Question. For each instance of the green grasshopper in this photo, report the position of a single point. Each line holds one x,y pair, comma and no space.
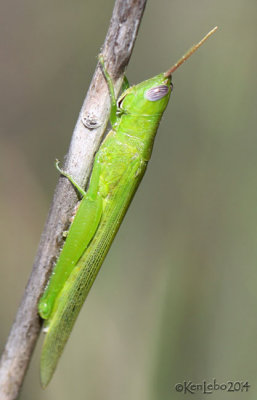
118,168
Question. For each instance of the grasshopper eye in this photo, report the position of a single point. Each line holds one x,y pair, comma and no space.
156,93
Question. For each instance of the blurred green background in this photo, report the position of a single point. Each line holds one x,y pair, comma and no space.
176,298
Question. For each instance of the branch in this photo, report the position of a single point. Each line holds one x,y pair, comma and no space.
86,139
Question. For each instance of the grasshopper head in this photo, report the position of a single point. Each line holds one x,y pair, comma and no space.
151,97
148,97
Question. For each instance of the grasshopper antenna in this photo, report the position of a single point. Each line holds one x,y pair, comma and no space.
189,53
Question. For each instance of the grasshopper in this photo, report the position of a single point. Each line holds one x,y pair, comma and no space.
118,168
